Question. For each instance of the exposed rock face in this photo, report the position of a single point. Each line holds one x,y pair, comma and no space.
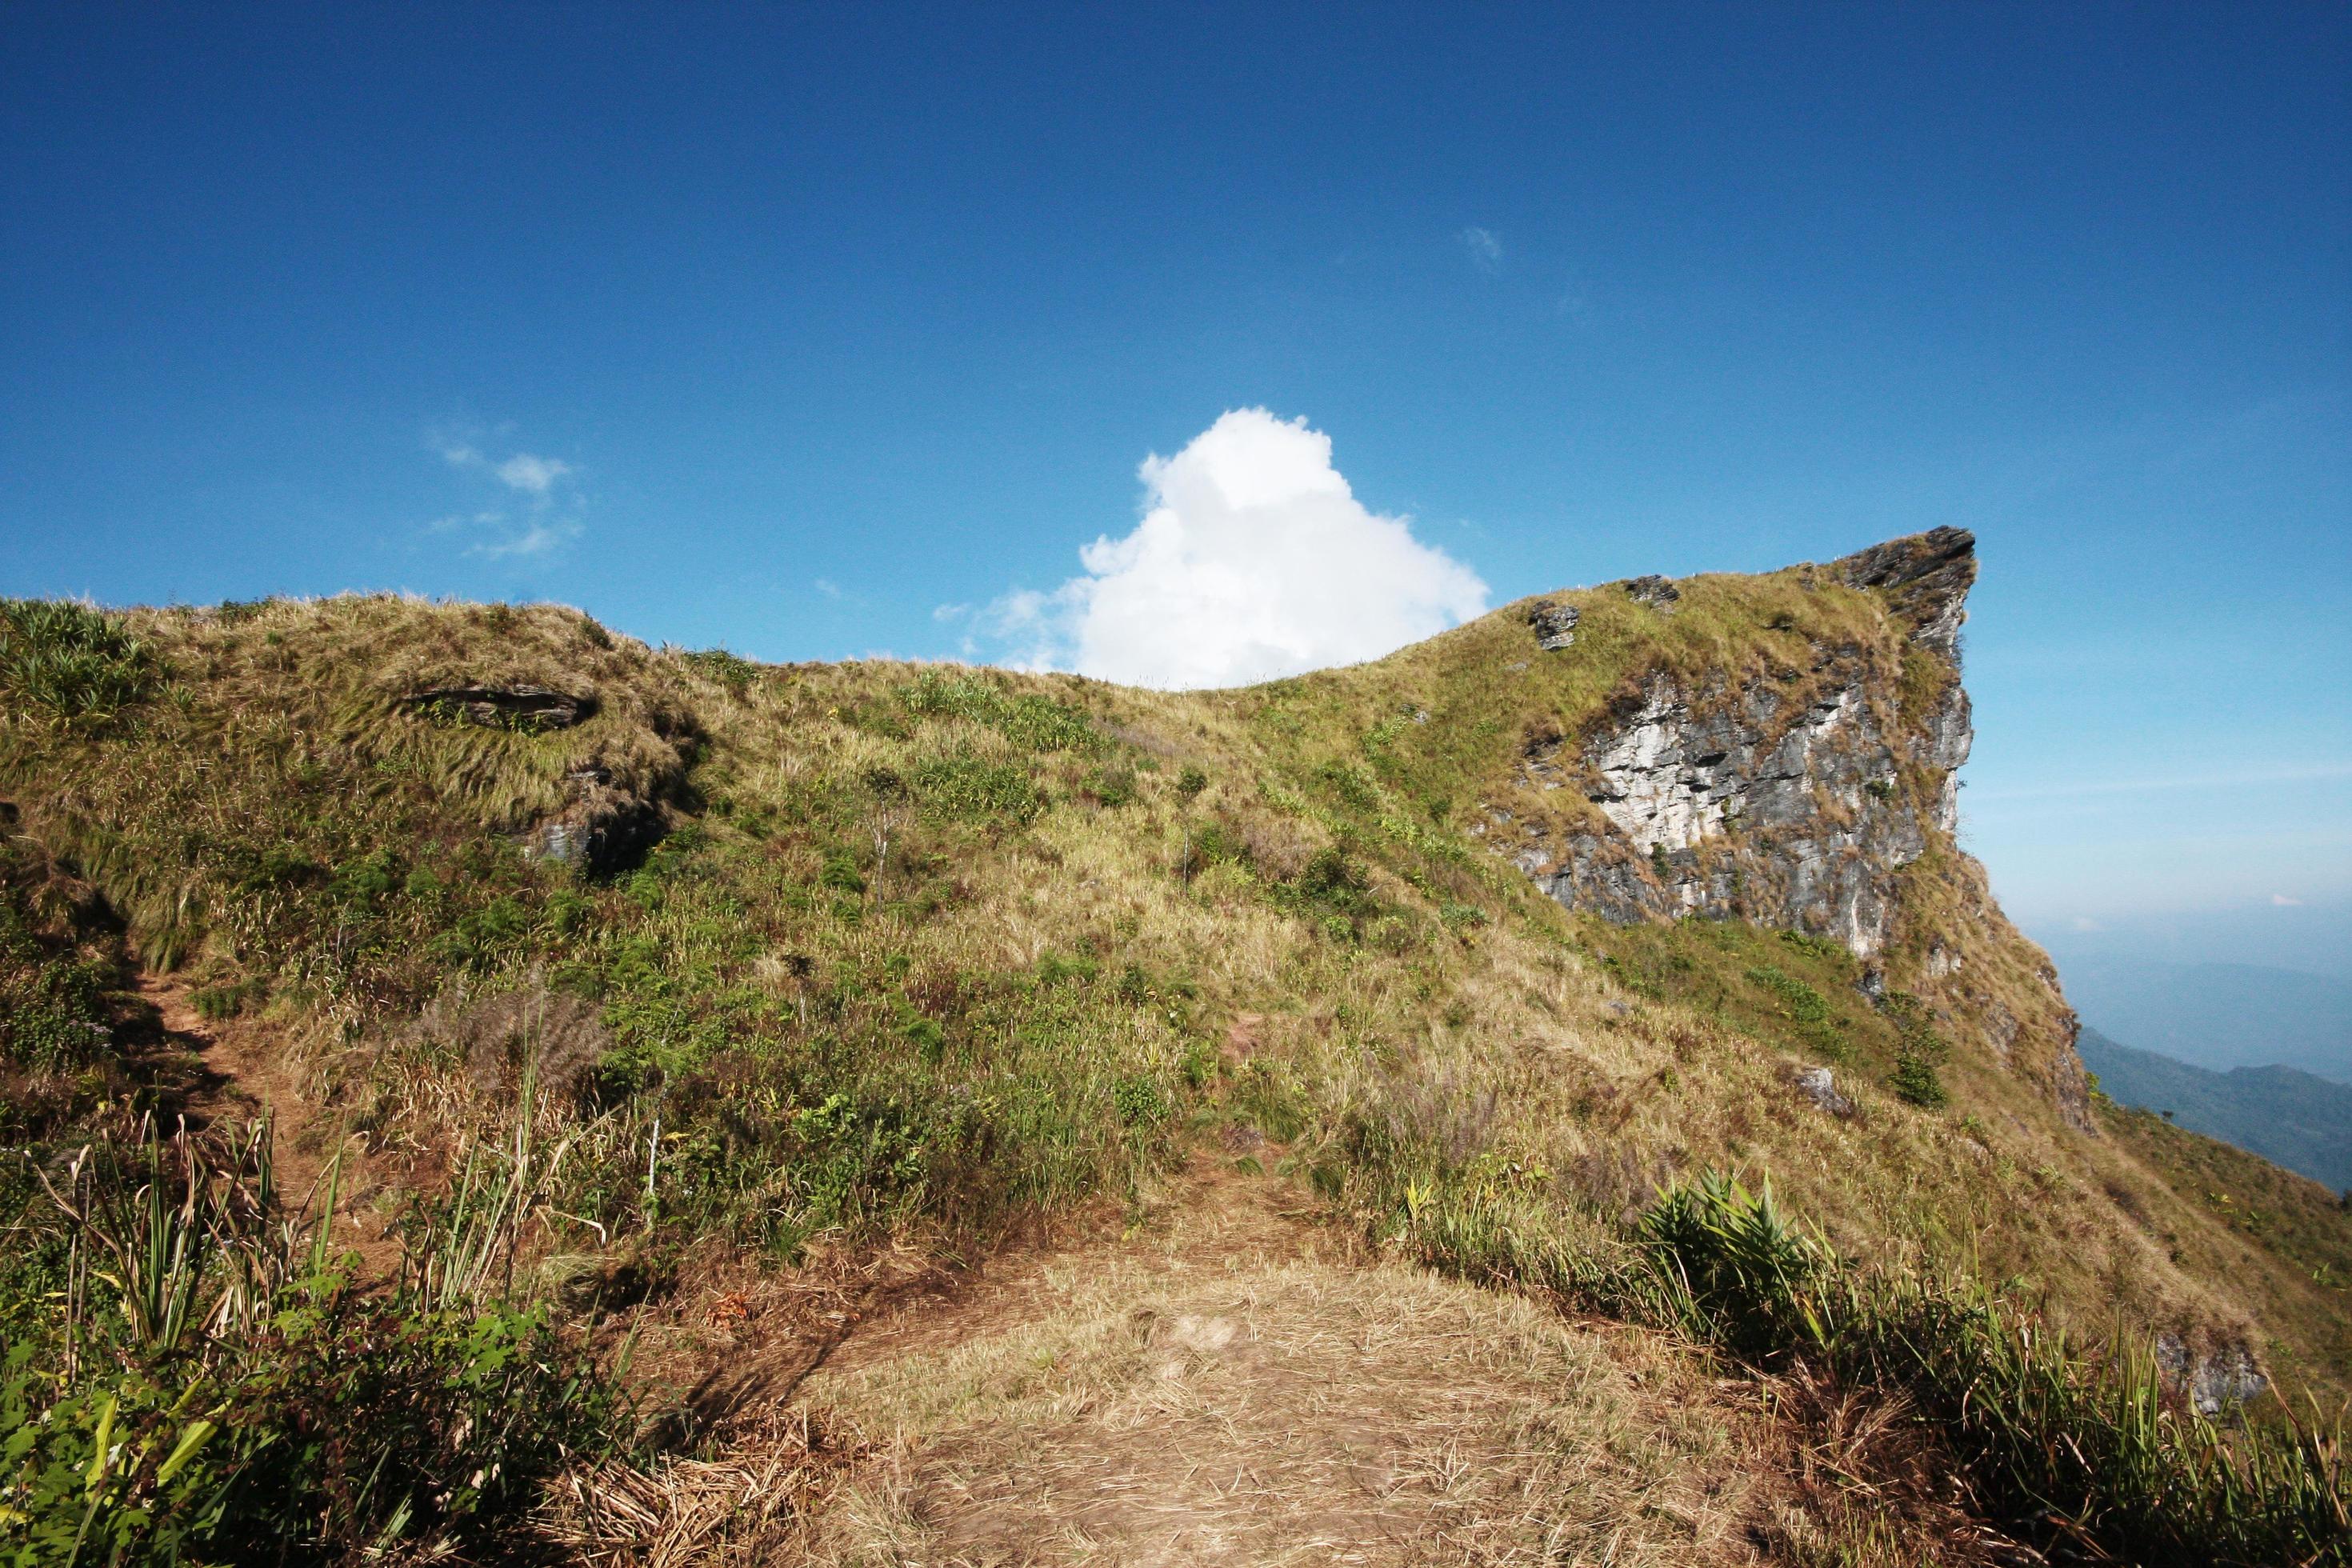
1555,625
1654,591
1820,1086
1925,577
1788,800
530,708
2216,1380
602,830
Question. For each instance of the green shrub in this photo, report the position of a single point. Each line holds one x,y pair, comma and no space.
1056,970
1354,787
1807,1010
70,661
1919,1051
231,1397
1826,950
967,789
1915,1081
841,872
53,1014
729,670
1138,1102
1037,722
1112,784
928,1038
1742,1272
1335,881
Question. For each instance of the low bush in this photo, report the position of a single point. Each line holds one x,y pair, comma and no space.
209,1384
729,670
1919,1051
1808,1013
1036,723
968,789
69,662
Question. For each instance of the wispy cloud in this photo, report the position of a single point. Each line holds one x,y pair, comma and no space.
828,587
1485,248
2285,901
545,489
532,475
536,539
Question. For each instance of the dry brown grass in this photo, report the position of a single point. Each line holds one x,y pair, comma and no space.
1224,1380
1229,1384
751,1506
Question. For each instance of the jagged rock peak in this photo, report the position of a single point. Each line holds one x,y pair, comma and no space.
1926,578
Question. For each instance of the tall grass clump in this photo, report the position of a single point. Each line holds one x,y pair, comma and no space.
1029,720
209,1384
2088,1446
69,662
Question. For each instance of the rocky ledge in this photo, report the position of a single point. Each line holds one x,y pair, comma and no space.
1790,800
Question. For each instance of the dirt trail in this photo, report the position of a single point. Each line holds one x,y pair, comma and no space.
1224,1381
245,1075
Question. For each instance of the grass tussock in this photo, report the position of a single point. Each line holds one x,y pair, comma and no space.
2058,1441
69,664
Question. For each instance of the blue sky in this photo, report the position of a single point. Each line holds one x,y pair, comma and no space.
811,325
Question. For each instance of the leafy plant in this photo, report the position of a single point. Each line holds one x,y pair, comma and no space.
71,661
1918,1052
731,670
210,1385
1027,720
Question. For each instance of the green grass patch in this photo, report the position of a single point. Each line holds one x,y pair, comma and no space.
70,662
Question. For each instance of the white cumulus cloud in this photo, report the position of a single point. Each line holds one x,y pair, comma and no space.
1254,560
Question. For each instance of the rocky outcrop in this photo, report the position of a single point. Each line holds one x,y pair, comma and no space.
1789,798
602,829
1820,1086
1656,592
2216,1379
1926,578
1554,625
526,707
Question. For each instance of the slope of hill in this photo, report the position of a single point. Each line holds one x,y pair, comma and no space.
2287,1116
596,975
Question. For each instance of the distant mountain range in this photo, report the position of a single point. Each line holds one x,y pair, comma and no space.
2219,1015
2289,1117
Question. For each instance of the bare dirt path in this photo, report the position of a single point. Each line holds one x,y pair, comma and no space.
1225,1381
247,1075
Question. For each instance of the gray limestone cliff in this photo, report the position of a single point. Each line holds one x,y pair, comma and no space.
1787,798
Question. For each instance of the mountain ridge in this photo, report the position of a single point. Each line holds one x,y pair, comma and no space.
817,966
2295,1119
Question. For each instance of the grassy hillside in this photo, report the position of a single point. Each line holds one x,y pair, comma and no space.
881,953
